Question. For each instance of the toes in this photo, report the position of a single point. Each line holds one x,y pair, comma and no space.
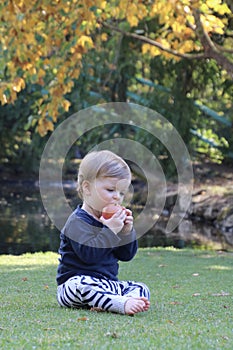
135,305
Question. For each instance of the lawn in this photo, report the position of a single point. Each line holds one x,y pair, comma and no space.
191,305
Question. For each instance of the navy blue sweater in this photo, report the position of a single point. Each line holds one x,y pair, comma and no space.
90,248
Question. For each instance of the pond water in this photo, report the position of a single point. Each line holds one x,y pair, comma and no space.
25,226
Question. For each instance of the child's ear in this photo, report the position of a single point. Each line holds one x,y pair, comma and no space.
86,187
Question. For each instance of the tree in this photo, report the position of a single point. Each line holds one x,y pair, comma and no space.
43,43
186,28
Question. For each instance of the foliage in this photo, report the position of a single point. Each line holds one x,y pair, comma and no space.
58,63
169,87
191,305
21,147
44,43
210,144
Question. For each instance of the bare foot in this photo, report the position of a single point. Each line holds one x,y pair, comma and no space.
135,305
147,303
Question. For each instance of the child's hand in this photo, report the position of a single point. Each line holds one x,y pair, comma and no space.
128,223
117,222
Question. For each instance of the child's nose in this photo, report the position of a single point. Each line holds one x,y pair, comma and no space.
116,195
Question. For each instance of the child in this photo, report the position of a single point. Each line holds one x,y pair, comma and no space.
91,246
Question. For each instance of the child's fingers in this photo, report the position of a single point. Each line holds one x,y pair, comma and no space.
129,219
128,212
120,214
128,222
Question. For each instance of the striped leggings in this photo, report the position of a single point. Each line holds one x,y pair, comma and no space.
87,291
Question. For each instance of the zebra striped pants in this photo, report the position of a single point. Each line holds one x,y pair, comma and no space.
87,291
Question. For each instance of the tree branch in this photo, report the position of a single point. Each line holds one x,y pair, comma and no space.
223,49
153,42
210,49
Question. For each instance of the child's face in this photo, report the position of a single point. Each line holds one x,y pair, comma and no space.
106,190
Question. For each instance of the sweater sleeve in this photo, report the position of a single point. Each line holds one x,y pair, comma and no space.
93,236
127,247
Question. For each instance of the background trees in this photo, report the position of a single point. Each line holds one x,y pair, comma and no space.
58,57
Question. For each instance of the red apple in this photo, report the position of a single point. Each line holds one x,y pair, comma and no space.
110,210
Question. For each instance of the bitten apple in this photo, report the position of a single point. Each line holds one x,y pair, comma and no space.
110,210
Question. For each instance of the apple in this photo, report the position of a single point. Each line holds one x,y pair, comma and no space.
110,210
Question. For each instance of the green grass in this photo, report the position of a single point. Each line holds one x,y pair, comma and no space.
191,305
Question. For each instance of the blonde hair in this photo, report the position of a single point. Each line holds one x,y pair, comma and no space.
101,164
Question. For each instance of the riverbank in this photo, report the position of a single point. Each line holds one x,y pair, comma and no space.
208,223
212,201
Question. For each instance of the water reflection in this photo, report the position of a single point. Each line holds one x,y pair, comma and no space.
25,226
188,234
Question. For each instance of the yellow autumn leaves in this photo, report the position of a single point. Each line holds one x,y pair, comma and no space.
43,42
178,25
131,10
